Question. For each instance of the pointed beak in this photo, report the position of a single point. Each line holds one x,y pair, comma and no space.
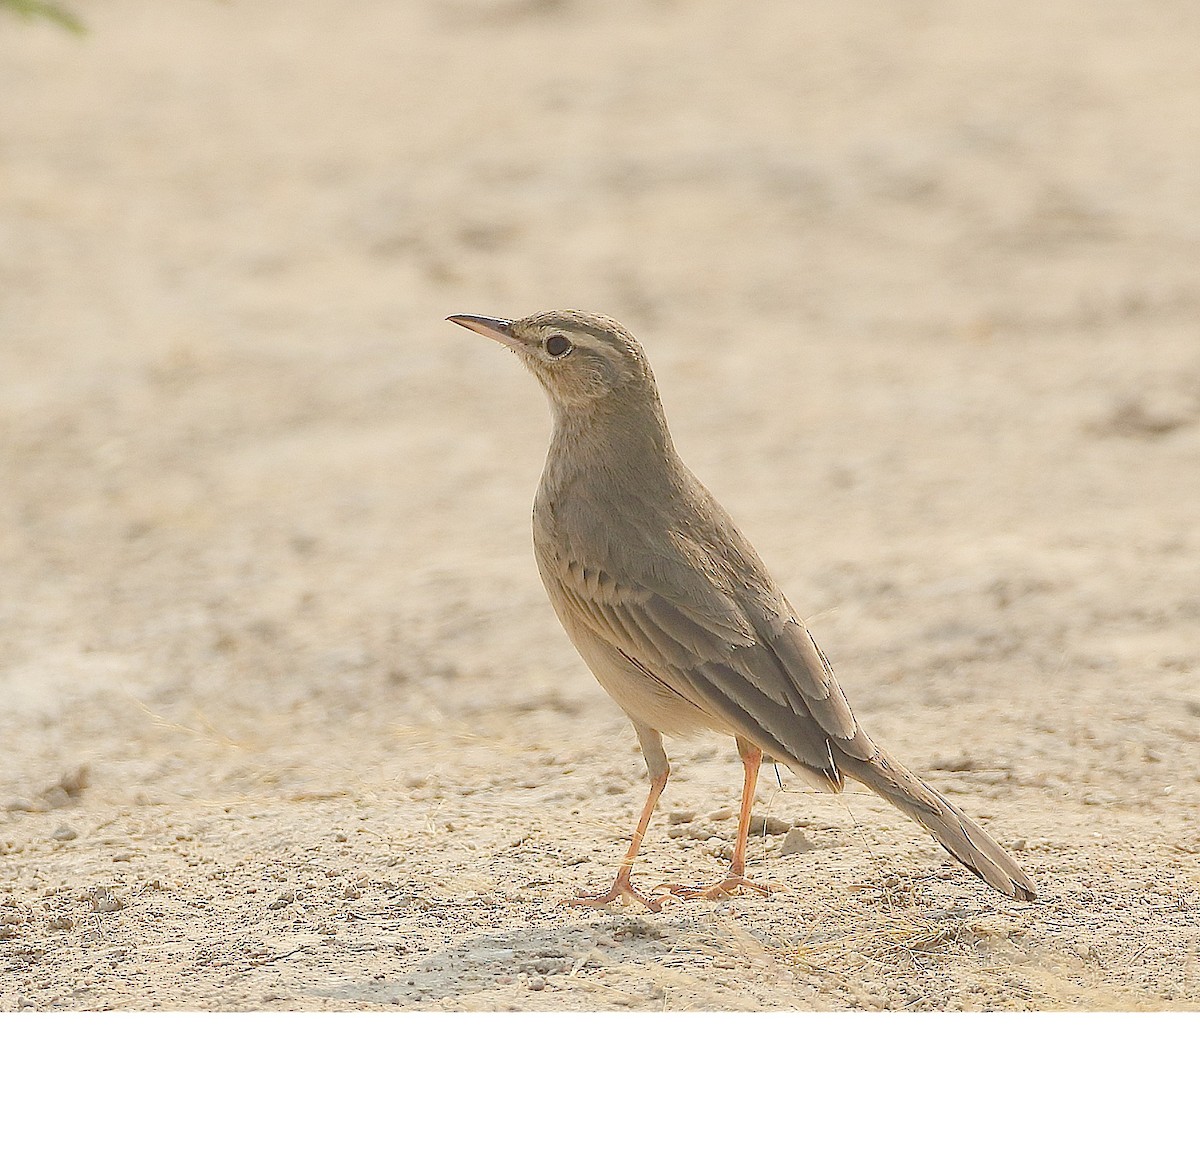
500,330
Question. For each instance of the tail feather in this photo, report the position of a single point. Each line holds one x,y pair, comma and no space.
956,832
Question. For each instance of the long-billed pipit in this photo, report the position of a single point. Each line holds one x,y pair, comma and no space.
674,612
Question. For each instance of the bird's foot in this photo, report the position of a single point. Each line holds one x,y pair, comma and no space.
727,887
623,890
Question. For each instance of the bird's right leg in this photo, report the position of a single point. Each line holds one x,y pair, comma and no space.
736,880
622,886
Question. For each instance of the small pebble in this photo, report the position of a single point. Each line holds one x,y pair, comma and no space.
537,983
122,856
674,817
795,842
282,900
61,923
65,833
769,824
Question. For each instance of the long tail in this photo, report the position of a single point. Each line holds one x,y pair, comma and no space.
957,833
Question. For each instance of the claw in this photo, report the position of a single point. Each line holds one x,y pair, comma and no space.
726,888
623,890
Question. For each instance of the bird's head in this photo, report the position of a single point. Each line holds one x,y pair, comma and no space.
583,361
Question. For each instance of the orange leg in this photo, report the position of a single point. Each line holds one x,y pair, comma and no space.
622,886
736,879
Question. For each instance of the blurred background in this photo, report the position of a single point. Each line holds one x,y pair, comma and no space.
905,271
920,282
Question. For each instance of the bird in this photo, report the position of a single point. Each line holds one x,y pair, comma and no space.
676,615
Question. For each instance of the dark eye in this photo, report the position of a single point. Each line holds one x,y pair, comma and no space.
558,346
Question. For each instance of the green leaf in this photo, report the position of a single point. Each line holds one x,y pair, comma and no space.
40,9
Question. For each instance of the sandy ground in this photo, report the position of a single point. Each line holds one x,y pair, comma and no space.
285,719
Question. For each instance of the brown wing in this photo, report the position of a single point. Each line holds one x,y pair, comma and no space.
762,677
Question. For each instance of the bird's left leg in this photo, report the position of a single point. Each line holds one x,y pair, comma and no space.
736,879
